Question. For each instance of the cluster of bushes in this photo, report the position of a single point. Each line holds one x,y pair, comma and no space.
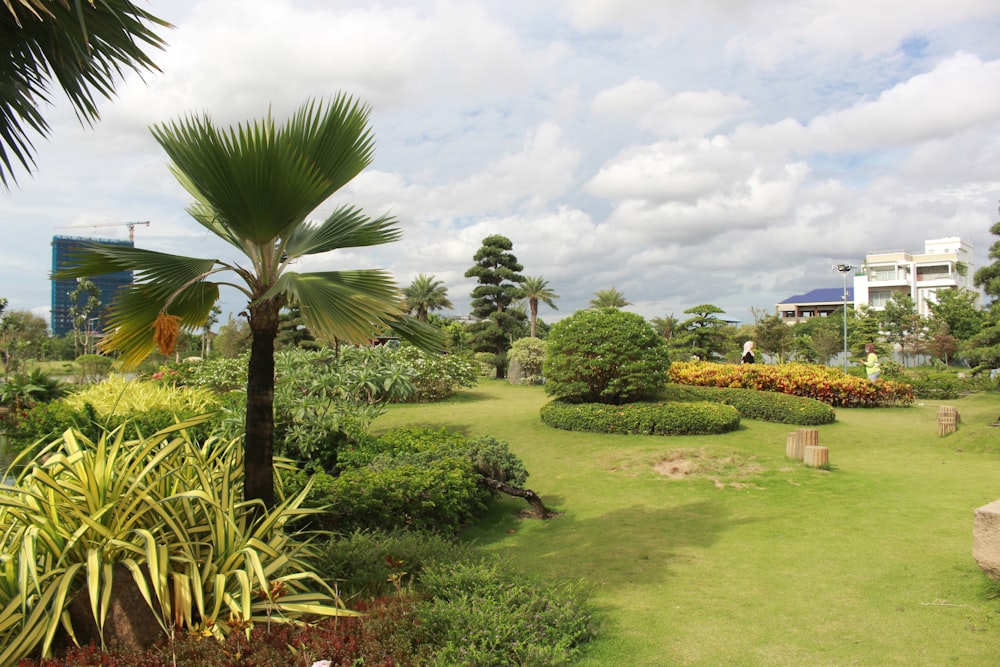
412,478
766,406
659,418
825,384
361,374
477,609
145,407
426,601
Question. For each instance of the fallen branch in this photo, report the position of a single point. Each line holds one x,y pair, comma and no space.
538,509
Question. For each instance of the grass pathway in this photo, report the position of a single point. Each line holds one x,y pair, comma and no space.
756,560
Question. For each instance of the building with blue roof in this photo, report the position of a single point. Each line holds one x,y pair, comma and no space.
944,264
820,302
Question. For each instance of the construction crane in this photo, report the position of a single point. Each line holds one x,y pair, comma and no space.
131,227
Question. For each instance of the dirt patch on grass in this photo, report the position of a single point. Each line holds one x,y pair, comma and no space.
731,469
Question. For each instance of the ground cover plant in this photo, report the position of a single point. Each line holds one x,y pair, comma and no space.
823,383
690,540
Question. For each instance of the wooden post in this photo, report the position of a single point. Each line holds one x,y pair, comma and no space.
947,419
809,437
793,446
815,456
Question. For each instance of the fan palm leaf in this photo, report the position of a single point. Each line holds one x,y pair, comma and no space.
84,46
254,186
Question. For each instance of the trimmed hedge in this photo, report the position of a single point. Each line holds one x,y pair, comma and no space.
765,406
661,418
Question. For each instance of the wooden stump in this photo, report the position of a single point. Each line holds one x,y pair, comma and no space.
793,446
947,419
815,456
809,437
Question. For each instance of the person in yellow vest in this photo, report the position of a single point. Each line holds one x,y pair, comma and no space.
872,366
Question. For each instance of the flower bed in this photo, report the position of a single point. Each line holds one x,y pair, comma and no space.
829,385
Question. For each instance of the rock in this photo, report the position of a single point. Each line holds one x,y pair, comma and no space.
130,623
986,538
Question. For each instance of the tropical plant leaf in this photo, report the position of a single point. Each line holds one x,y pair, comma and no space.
346,227
342,305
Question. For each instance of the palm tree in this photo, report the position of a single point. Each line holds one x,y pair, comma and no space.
665,325
533,290
84,46
609,298
425,294
254,186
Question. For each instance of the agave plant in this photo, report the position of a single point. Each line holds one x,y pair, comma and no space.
167,508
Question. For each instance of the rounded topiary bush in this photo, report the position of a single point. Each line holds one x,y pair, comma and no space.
768,406
604,356
665,418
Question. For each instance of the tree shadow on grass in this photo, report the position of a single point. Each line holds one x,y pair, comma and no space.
627,546
451,427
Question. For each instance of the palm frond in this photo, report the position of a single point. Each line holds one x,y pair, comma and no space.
260,182
83,46
172,271
421,334
349,306
346,227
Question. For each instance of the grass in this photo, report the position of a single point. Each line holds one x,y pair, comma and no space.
752,559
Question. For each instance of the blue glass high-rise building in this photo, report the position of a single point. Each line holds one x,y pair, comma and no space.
109,284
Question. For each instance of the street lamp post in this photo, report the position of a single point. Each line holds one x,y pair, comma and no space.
844,270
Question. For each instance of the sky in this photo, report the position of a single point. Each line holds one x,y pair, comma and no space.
728,152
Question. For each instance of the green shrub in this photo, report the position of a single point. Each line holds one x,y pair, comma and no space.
766,406
46,421
670,418
939,387
218,375
530,354
415,492
604,356
93,367
118,395
488,614
435,376
364,561
486,363
414,478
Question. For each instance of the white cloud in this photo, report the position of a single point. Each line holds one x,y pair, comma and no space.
716,151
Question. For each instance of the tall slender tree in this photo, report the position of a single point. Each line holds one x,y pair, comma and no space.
83,46
425,294
536,289
499,276
254,186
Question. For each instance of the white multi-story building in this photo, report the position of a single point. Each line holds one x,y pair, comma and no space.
944,264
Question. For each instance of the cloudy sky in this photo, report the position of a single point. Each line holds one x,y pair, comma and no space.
683,152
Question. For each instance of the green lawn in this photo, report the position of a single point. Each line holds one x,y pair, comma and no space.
756,560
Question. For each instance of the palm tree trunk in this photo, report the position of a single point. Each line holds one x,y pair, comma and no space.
534,315
258,456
